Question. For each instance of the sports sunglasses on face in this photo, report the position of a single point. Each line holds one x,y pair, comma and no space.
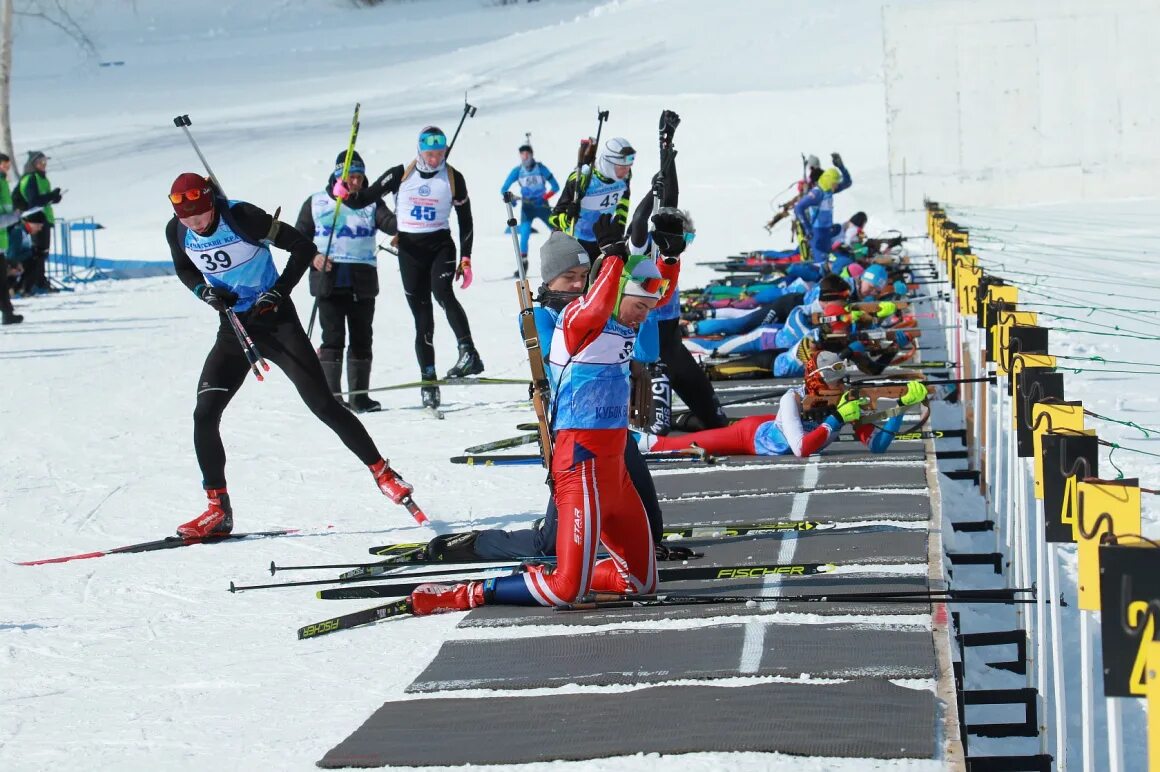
189,195
433,142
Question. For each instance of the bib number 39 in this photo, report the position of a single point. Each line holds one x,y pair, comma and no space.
423,213
218,261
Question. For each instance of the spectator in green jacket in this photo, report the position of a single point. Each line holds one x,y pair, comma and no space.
8,217
35,192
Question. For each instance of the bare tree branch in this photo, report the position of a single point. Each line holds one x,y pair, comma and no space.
58,16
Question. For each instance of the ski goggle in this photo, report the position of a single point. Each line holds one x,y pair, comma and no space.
433,142
654,285
626,160
189,195
688,237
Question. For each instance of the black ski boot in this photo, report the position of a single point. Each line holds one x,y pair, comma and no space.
358,375
331,362
469,362
11,318
430,394
524,260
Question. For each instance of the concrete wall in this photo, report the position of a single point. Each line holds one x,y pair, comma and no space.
1021,101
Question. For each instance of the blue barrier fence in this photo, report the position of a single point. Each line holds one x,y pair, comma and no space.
74,257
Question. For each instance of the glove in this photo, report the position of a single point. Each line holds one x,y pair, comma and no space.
463,271
837,159
857,315
608,231
218,298
886,308
340,190
915,393
849,407
508,197
54,195
267,302
665,552
900,288
901,339
548,196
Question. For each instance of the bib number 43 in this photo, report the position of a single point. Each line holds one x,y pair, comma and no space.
426,213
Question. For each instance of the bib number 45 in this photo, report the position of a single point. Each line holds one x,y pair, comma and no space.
426,213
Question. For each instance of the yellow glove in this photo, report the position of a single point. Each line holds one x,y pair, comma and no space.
915,393
856,316
886,308
850,407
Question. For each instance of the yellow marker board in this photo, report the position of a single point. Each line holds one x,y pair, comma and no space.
1047,417
1105,506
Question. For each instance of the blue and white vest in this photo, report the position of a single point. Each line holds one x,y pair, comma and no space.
533,183
227,260
354,237
601,197
591,388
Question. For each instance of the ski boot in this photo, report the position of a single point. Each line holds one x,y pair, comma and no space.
331,362
430,394
393,487
524,260
358,376
441,598
11,318
216,520
469,362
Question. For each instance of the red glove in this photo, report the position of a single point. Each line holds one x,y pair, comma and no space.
463,271
548,195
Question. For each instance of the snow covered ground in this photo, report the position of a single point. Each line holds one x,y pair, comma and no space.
145,661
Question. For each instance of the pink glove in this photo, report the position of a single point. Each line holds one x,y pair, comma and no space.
463,271
340,190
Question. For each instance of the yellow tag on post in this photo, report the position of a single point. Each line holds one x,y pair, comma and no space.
1105,506
998,293
967,286
1046,417
1001,334
1152,692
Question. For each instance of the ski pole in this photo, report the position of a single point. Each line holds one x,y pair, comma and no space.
326,282
389,248
468,112
182,122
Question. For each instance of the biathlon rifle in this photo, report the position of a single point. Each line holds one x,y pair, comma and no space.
586,155
541,386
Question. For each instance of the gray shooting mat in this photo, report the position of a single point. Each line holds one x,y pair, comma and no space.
716,481
758,647
865,718
823,507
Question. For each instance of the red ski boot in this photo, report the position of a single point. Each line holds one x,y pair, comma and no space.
216,520
441,598
393,487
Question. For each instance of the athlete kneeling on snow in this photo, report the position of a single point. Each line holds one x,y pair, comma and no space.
425,191
346,281
598,504
221,252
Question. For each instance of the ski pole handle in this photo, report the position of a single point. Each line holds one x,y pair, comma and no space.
468,112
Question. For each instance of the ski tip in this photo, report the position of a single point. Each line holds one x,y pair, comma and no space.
273,568
233,588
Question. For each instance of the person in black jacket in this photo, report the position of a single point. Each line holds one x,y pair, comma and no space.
221,252
425,192
347,283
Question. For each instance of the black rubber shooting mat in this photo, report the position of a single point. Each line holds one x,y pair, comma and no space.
833,584
823,507
710,481
866,718
759,647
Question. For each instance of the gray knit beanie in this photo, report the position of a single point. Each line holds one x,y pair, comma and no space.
560,254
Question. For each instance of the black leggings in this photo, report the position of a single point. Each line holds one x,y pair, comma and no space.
428,273
686,376
283,342
339,310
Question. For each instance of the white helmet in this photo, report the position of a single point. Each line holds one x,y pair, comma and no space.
617,151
